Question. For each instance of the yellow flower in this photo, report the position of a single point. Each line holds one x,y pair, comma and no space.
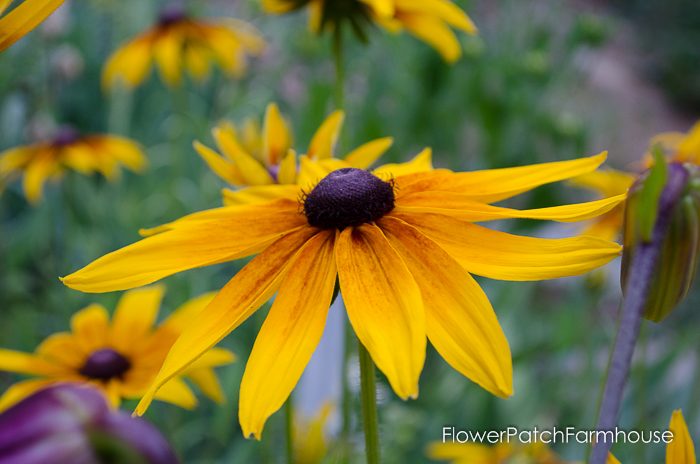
403,243
252,158
179,43
428,20
502,453
68,149
120,358
679,146
606,183
22,19
681,450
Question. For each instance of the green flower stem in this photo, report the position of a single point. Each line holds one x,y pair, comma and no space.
289,426
368,392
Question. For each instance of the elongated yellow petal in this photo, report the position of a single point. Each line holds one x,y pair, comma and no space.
381,7
36,175
421,163
277,6
135,316
498,184
277,138
605,182
503,256
366,155
241,297
434,32
250,169
167,52
184,314
463,207
222,167
384,305
14,158
287,172
460,321
323,143
25,363
234,232
612,459
311,172
213,358
176,392
289,335
130,64
198,62
90,326
441,9
260,194
208,382
21,20
681,450
20,390
62,348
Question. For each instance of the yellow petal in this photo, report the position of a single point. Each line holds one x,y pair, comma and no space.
464,207
503,256
176,392
14,159
381,7
441,9
198,62
128,152
689,146
250,169
260,194
25,363
208,382
311,172
62,348
681,450
186,313
241,297
21,20
135,316
498,184
277,6
167,52
213,358
422,162
130,64
366,155
289,335
460,321
222,167
611,459
323,143
434,32
90,326
287,172
20,390
36,175
277,138
384,305
607,182
235,232
227,48
462,453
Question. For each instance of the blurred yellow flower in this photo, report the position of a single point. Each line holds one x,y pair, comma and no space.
606,183
679,146
68,150
120,358
428,20
402,241
252,157
179,43
23,18
502,453
681,450
310,437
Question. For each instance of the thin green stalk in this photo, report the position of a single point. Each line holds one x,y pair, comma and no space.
289,425
347,394
368,393
338,58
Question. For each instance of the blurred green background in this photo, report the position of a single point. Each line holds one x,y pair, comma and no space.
545,80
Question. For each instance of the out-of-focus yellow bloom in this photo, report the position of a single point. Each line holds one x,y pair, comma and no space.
401,240
68,149
681,450
428,20
502,453
255,158
310,437
678,146
22,19
606,183
120,358
179,43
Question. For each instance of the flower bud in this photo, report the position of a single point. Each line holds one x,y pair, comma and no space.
74,424
674,231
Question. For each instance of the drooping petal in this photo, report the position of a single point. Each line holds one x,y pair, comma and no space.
277,138
460,321
25,17
241,297
130,64
167,52
289,335
434,32
366,155
135,316
381,7
499,255
384,305
208,382
323,142
90,326
36,175
442,9
187,244
681,450
176,392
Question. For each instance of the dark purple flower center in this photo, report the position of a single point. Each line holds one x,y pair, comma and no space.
171,15
348,197
105,364
66,135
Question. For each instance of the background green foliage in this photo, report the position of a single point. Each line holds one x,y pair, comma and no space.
515,98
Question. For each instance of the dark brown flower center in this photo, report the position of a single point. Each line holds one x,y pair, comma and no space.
66,135
171,15
105,364
348,197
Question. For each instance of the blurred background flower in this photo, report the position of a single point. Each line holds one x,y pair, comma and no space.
23,18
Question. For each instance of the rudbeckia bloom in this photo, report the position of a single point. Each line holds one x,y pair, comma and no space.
68,150
503,453
22,19
428,20
120,358
681,450
255,158
179,43
403,245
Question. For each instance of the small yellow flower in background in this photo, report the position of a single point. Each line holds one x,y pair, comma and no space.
311,437
254,158
68,149
120,358
403,243
23,18
428,20
179,43
606,183
680,147
502,453
681,450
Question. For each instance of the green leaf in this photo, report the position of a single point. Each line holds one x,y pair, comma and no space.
651,192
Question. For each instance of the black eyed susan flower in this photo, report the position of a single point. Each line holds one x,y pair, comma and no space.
256,158
502,453
403,243
428,20
23,18
68,149
179,43
120,358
